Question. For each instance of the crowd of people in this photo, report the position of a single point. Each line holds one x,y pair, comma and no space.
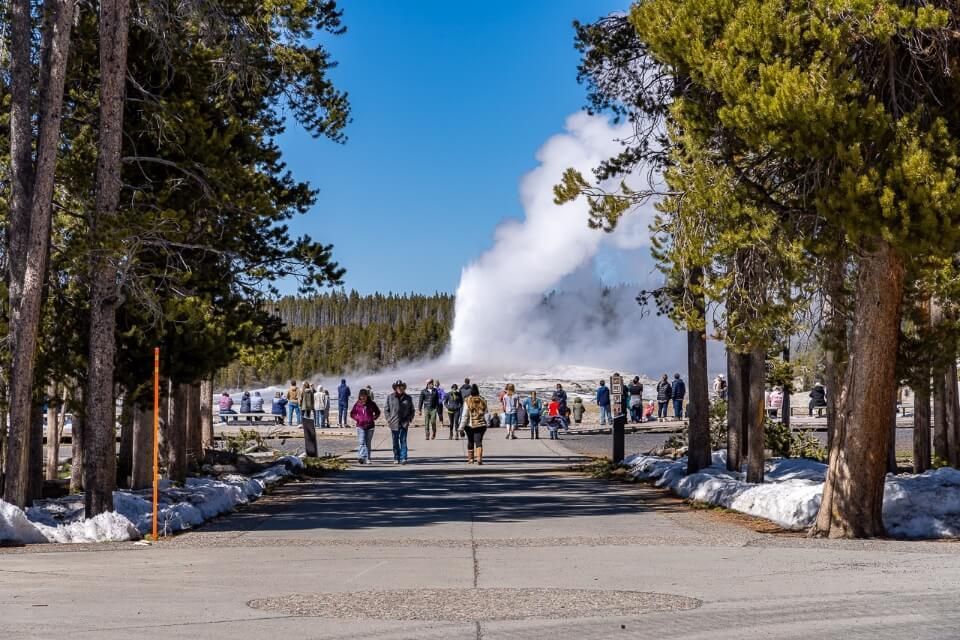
464,413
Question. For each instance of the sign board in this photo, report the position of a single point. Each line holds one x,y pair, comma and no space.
616,395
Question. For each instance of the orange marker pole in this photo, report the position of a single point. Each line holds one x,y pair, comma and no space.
156,437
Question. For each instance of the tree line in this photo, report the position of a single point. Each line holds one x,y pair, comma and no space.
144,203
335,333
803,158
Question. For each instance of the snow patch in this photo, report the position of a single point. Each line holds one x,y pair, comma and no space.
180,508
914,506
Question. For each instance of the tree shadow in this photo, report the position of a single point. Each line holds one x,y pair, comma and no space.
428,491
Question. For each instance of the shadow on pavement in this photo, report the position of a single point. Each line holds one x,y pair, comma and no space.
429,491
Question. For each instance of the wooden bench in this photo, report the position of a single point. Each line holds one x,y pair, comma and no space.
251,418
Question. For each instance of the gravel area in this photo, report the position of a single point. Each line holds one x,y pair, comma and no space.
475,605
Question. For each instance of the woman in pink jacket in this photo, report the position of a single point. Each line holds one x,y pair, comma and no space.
365,412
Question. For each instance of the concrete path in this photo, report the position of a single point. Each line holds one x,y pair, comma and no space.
518,548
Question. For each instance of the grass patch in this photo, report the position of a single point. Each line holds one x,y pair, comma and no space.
319,467
606,469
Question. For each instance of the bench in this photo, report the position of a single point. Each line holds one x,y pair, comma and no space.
250,418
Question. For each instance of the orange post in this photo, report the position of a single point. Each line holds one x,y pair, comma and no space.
156,437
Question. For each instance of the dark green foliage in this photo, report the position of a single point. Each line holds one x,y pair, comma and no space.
335,333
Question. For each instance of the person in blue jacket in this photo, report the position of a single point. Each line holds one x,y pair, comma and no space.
679,391
603,401
343,402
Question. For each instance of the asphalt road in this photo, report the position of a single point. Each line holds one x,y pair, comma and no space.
518,548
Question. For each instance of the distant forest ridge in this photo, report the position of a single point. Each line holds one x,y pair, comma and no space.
339,332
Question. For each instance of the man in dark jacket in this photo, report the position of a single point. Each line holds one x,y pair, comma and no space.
343,402
399,412
560,396
429,400
664,393
678,391
603,401
818,397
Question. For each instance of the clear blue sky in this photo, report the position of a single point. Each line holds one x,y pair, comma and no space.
450,102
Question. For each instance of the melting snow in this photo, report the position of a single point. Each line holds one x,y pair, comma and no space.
914,506
180,508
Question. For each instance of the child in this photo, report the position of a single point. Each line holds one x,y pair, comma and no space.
649,411
553,409
510,402
554,424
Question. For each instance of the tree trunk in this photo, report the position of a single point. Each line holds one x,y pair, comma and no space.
194,437
852,504
952,422
77,438
104,290
736,403
757,415
698,454
892,448
940,449
785,407
125,455
35,486
177,433
834,341
30,216
921,427
3,431
206,413
142,468
53,434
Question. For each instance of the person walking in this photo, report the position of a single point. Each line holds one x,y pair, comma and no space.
636,400
473,422
453,403
534,408
603,401
429,401
322,402
510,401
664,393
678,391
279,407
399,412
293,403
308,399
365,413
343,401
441,397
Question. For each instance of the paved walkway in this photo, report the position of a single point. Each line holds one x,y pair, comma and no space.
518,548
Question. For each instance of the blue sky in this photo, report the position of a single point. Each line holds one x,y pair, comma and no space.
450,102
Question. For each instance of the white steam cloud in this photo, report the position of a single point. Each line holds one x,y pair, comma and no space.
502,321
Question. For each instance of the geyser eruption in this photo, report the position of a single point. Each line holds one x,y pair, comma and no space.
504,316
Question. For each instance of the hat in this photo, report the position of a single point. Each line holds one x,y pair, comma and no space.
399,383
